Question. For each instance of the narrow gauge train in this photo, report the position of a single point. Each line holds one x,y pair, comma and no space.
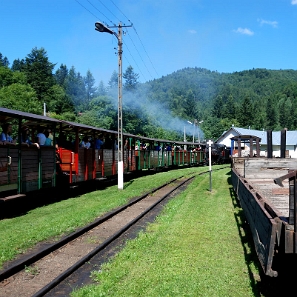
220,154
26,168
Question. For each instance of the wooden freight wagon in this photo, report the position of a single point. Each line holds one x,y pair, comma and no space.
266,189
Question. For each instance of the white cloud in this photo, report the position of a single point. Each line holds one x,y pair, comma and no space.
192,31
294,2
244,31
271,23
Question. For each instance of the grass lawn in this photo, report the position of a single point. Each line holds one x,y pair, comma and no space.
196,247
52,221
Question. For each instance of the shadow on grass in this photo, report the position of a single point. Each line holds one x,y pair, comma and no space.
263,285
246,240
128,184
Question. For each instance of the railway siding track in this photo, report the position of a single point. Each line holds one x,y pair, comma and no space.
41,271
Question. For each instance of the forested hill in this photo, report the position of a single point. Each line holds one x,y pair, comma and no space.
207,84
161,108
257,98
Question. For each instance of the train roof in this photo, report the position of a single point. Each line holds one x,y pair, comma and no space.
165,140
69,125
101,130
9,114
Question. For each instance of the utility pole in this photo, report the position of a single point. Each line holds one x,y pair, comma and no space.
120,113
102,28
209,160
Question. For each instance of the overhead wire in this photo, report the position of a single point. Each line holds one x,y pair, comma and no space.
139,40
146,51
96,9
109,11
135,62
120,11
86,9
139,55
99,11
126,45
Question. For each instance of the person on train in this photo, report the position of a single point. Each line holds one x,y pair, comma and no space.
86,142
25,139
40,136
48,141
50,136
5,136
99,142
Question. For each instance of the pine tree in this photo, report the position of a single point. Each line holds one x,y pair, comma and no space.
61,75
101,90
75,89
3,61
18,65
38,70
272,114
90,86
245,115
113,81
131,79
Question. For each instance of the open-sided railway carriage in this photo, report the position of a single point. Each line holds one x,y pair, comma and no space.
26,168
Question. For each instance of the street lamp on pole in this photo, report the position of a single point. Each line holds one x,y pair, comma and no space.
193,130
104,29
196,123
198,130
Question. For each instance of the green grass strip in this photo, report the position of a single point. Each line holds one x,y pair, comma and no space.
193,249
52,221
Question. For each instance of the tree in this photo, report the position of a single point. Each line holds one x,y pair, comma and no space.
8,77
61,75
3,61
229,108
57,101
217,107
272,114
131,79
101,90
18,65
95,118
90,86
212,128
75,89
190,105
245,116
38,70
113,81
20,97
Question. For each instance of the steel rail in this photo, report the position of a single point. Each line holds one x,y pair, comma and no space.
86,258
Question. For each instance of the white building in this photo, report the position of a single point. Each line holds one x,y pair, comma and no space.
291,141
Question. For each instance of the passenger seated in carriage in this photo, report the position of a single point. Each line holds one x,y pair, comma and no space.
86,142
5,136
41,138
99,143
25,138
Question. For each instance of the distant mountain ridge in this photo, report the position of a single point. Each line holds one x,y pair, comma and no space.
258,98
208,84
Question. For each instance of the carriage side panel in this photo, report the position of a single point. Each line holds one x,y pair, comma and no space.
262,225
8,167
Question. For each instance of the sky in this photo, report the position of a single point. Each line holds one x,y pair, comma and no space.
161,37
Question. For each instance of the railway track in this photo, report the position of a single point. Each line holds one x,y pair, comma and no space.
52,268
